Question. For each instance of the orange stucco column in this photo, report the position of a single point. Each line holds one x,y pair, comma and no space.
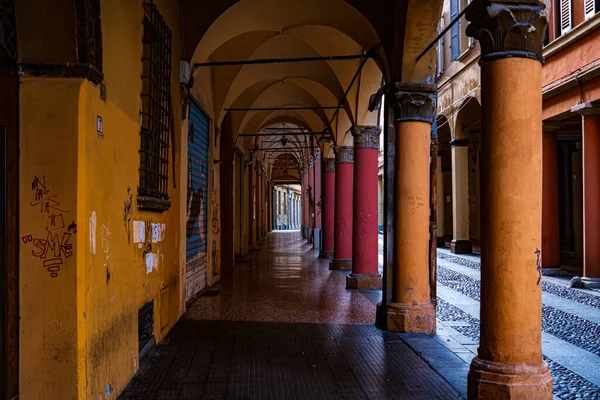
550,225
411,309
509,361
591,196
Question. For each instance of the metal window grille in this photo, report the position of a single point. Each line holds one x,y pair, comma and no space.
156,118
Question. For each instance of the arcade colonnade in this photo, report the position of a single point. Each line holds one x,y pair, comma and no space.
236,97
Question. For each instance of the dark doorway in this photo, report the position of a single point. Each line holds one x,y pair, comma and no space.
9,197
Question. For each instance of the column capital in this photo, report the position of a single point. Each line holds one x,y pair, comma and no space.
366,136
412,101
344,154
329,164
509,29
303,171
310,163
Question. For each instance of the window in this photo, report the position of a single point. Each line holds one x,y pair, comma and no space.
440,66
156,114
564,17
471,38
454,31
591,7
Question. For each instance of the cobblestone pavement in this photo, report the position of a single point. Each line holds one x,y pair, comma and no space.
570,323
285,328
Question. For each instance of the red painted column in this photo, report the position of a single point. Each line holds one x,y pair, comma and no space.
344,172
260,203
550,225
304,224
311,207
328,207
591,197
318,192
365,251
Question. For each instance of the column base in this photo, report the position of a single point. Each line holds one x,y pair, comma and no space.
381,316
340,265
591,283
409,318
363,281
317,238
461,247
495,380
326,254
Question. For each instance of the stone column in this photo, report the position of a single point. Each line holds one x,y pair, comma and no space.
440,201
365,237
509,361
460,196
411,309
328,207
342,240
591,194
304,222
317,193
550,223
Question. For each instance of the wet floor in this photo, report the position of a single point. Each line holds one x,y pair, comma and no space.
284,281
284,327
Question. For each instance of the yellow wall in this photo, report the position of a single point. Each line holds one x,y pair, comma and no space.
79,333
48,325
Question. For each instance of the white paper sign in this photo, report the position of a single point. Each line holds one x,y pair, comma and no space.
139,231
93,232
150,258
155,233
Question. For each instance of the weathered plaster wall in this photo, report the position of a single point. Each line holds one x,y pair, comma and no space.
49,252
79,333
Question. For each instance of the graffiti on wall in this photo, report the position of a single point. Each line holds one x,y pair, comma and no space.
127,214
53,246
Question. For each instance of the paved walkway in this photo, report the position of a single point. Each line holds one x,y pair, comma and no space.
570,324
286,328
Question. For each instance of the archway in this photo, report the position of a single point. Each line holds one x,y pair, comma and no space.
467,161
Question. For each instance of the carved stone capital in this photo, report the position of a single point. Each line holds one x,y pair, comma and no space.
303,171
413,101
366,136
506,29
344,155
329,164
310,163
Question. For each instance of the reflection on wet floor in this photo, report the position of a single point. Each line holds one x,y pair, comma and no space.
285,282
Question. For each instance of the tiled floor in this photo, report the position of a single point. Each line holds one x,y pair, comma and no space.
285,328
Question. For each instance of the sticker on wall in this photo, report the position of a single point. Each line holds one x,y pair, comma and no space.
139,231
93,232
163,232
150,259
156,233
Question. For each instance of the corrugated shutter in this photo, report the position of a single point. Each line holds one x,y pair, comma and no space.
589,8
197,201
454,31
565,16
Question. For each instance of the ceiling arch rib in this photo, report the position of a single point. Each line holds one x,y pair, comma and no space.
281,15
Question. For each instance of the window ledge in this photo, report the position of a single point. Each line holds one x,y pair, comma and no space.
148,203
573,35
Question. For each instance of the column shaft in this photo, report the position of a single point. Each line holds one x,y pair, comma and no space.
328,207
440,201
550,223
365,254
411,309
591,201
344,171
